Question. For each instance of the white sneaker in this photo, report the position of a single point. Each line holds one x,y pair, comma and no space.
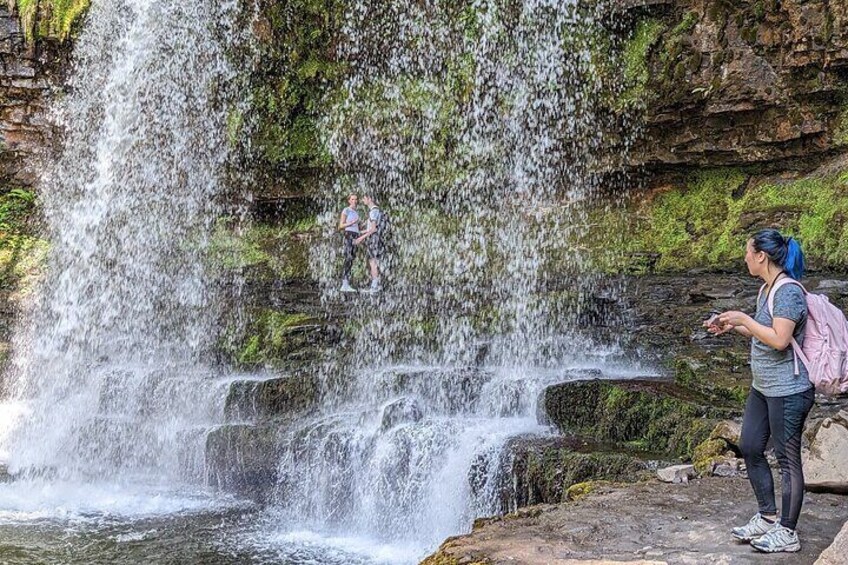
778,539
346,287
756,527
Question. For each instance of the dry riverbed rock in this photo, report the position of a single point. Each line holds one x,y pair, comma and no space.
651,522
676,474
837,553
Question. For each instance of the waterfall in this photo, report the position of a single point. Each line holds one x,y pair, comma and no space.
474,125
112,375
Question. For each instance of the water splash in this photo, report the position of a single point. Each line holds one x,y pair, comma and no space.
110,374
475,126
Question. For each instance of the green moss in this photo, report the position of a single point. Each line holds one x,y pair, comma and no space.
706,222
706,453
272,251
49,18
298,69
580,490
635,59
272,337
686,25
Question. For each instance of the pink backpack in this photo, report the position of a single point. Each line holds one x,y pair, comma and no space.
825,351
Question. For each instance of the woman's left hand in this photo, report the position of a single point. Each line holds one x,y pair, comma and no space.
734,318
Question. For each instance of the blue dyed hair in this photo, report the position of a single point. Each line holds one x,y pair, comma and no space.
784,251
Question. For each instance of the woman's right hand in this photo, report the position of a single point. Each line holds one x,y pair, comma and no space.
719,329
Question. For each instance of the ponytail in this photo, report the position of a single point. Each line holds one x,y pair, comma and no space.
783,251
794,263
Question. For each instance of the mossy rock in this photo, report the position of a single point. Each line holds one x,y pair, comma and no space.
276,339
656,415
708,452
271,398
543,470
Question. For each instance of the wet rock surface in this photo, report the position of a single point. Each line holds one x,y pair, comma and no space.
242,459
273,397
652,521
544,470
735,83
29,75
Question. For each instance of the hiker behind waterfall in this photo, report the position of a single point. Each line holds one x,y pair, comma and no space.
349,226
781,394
373,240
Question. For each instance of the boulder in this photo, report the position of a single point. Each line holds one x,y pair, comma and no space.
837,553
401,411
541,470
729,431
826,461
676,473
730,467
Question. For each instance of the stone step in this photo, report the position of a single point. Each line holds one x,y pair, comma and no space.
263,399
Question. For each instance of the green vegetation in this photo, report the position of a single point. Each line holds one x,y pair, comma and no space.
635,57
49,18
272,337
705,222
270,251
21,252
298,69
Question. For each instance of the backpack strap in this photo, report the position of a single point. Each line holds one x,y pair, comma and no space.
799,353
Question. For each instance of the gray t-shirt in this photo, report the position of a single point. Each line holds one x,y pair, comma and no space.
773,370
374,216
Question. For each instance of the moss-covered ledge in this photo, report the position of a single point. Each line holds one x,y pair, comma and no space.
655,415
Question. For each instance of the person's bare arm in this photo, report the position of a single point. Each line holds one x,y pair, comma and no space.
343,223
372,228
777,336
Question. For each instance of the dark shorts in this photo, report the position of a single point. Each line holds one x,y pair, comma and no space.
374,246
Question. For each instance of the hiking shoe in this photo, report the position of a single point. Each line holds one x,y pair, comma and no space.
346,287
756,527
777,539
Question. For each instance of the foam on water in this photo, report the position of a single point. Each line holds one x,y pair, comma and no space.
97,503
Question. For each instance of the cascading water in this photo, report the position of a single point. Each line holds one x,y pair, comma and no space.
473,125
110,377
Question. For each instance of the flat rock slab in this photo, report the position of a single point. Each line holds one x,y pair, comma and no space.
649,522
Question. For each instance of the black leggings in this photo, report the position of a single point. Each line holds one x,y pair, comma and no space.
349,253
783,419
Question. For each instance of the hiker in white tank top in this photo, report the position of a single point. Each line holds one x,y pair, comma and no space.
349,226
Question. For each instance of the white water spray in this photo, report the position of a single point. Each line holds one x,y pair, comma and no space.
474,125
110,375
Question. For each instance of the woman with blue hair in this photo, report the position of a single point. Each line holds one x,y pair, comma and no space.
781,393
